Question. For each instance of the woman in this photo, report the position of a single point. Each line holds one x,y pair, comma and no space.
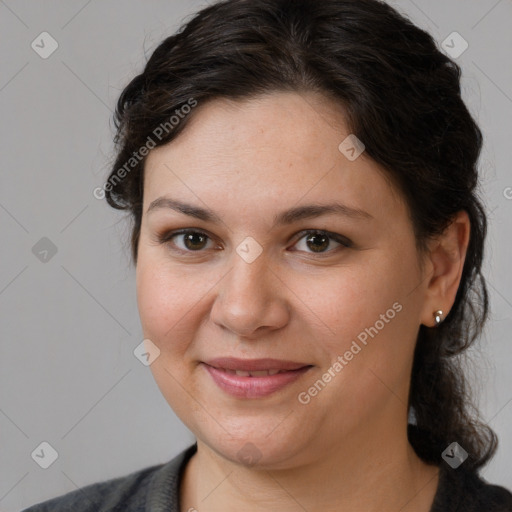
308,241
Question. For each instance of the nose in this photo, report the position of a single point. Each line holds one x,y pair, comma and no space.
251,299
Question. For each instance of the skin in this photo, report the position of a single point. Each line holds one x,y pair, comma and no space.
347,449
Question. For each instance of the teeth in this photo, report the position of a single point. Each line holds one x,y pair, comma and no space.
258,373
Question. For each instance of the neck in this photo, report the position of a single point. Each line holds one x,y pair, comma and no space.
372,473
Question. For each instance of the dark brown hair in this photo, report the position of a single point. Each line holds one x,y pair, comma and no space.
402,98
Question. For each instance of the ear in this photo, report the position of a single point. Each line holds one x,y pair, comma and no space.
446,257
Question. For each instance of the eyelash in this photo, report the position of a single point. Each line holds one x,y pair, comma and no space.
166,238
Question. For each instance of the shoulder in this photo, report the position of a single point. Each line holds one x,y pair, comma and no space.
465,491
130,489
136,492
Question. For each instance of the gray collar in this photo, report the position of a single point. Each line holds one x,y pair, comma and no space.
163,493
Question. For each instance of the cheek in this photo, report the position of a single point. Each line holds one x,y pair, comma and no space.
167,302
367,313
370,328
347,300
153,303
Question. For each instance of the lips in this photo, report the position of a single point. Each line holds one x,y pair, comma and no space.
256,373
254,365
254,378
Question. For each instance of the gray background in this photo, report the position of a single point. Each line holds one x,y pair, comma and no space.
69,325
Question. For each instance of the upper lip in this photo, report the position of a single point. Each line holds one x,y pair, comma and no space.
248,365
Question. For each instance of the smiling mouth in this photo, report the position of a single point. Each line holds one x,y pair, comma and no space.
255,378
257,373
253,366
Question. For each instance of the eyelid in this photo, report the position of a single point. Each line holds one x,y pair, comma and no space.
344,241
166,238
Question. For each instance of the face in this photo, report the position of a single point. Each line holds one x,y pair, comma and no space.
332,294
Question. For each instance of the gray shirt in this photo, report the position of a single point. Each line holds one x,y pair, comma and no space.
156,489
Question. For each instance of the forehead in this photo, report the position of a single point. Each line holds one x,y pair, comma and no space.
266,152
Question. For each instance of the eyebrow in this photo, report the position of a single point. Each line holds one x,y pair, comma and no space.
287,217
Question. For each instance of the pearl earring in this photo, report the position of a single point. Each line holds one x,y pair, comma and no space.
438,316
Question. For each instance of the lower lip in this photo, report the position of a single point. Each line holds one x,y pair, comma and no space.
253,387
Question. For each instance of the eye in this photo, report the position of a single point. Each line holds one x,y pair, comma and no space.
314,241
319,241
186,240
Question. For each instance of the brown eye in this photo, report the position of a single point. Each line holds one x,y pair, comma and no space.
318,242
321,242
194,241
185,241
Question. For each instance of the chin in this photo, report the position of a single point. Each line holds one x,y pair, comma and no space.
258,451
